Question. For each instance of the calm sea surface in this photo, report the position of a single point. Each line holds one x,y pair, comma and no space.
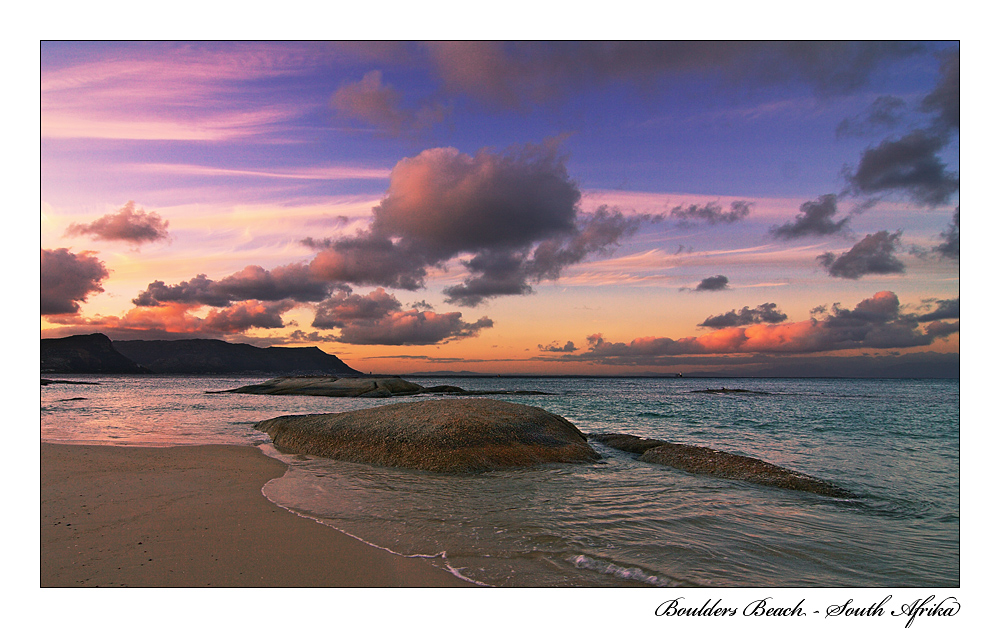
618,522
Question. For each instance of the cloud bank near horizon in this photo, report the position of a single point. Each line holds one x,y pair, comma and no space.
874,323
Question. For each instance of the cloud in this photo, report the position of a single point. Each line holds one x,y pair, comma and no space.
950,247
515,212
379,319
874,323
67,279
944,101
712,213
314,336
909,165
246,315
946,308
176,320
874,255
169,90
554,347
378,104
815,219
515,74
128,225
293,281
714,283
764,313
883,114
518,75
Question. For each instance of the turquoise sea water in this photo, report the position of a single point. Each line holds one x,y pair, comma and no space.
618,522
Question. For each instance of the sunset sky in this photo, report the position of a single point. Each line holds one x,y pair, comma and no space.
747,208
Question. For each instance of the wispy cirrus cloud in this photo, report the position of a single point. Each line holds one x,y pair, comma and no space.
170,91
314,173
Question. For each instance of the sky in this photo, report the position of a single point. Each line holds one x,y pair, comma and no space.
612,208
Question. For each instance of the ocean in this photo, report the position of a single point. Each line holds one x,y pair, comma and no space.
617,522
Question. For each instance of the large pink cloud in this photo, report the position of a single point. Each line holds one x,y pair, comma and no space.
514,212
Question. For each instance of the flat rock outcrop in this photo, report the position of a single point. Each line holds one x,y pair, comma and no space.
332,387
707,461
373,386
445,435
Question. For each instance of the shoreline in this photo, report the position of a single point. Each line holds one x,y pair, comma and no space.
194,516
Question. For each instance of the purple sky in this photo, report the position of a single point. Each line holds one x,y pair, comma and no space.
593,207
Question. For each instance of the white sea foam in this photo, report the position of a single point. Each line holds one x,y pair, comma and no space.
625,573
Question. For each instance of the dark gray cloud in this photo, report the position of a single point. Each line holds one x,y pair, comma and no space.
518,75
711,213
373,102
710,284
946,308
378,318
882,308
874,255
67,279
200,290
815,219
314,336
501,271
878,323
294,281
495,273
127,224
909,165
514,74
950,247
944,101
884,114
555,347
763,313
514,212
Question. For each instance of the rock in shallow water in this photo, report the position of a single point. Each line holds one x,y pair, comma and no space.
453,435
332,387
707,461
377,386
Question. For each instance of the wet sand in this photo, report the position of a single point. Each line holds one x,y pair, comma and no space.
194,517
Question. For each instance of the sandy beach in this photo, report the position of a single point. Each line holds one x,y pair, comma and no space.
194,517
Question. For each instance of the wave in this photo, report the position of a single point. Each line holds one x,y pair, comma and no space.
636,574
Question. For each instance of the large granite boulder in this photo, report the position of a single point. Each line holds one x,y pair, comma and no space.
449,435
707,461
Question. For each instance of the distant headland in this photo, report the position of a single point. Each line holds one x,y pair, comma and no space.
96,353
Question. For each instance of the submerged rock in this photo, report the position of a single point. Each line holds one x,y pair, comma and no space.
449,435
731,391
707,461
